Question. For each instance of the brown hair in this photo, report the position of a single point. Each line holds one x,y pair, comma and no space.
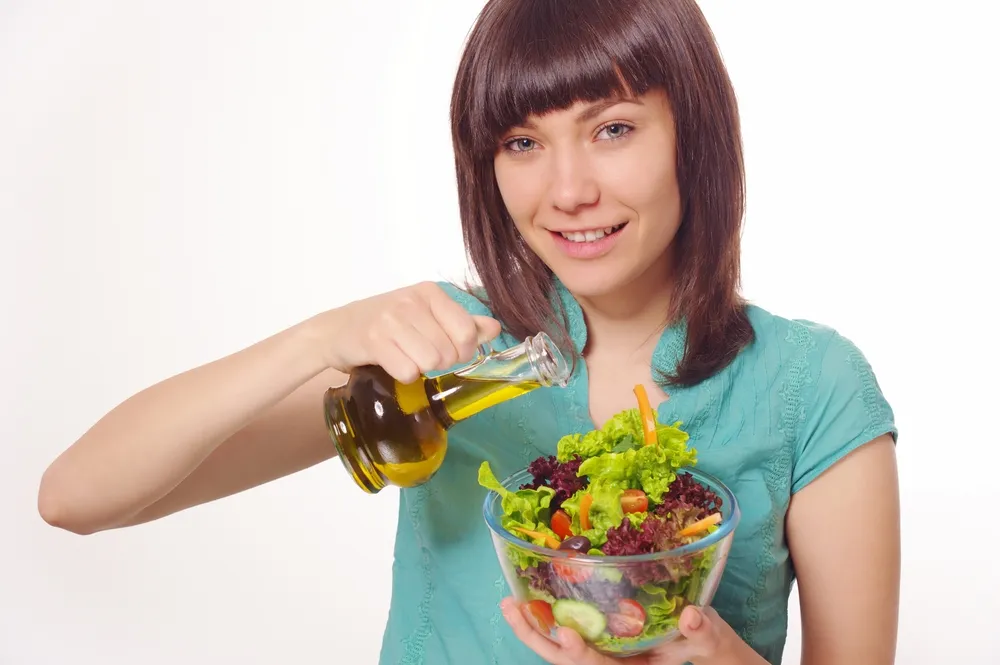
527,57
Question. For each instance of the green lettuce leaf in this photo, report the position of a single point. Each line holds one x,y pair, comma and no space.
526,508
622,432
649,468
591,444
637,518
625,424
523,508
605,511
661,608
522,558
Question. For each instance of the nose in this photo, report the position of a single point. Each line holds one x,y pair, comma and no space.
573,185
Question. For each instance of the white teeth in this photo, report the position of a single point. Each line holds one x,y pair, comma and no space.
590,236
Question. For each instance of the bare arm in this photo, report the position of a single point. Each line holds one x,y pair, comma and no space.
250,417
284,439
215,430
844,536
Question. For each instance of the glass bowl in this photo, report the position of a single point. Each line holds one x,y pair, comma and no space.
620,605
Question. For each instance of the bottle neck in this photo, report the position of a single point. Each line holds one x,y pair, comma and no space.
499,376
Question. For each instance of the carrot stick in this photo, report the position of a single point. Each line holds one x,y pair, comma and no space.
700,525
585,501
645,414
549,540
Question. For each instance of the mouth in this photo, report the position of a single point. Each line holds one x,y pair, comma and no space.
592,235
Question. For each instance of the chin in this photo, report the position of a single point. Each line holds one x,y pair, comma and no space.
591,281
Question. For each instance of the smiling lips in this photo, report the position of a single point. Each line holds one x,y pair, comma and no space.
589,244
590,236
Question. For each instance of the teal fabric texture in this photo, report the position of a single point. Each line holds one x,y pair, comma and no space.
792,404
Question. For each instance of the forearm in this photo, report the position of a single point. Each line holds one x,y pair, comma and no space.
143,448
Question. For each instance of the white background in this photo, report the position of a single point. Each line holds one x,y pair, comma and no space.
181,179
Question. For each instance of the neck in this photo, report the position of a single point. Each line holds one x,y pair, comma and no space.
631,317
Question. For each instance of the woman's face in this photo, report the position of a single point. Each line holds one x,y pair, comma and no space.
593,191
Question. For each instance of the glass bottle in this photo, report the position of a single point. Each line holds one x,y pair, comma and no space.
390,433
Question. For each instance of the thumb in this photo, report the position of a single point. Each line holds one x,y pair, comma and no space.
696,625
488,328
703,630
692,621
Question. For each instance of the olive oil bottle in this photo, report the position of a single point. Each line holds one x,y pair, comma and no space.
390,433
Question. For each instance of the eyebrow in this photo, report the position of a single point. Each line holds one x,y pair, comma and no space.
599,107
594,110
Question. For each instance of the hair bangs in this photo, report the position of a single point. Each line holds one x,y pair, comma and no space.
545,56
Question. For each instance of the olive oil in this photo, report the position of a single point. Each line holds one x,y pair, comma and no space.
390,433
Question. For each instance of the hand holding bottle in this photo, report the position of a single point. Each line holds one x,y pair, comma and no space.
407,332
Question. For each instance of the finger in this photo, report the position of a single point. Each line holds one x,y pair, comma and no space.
540,644
700,633
424,322
413,343
466,332
576,651
691,621
487,327
570,649
394,361
457,324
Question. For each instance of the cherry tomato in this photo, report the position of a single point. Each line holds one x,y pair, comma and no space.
561,524
623,625
574,574
538,613
632,608
634,501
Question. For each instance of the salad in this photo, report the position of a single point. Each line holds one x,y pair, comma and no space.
615,491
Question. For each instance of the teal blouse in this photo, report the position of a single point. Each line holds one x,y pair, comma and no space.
793,403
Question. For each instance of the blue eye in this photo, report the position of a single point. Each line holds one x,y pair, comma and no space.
615,130
520,145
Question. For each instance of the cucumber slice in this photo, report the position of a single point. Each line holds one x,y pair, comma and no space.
582,617
610,574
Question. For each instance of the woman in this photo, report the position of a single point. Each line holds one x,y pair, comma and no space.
600,176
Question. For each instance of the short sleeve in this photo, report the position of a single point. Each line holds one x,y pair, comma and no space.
844,410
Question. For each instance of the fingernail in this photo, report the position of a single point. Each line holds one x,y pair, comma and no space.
696,618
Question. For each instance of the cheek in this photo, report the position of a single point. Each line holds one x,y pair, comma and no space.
649,187
519,193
